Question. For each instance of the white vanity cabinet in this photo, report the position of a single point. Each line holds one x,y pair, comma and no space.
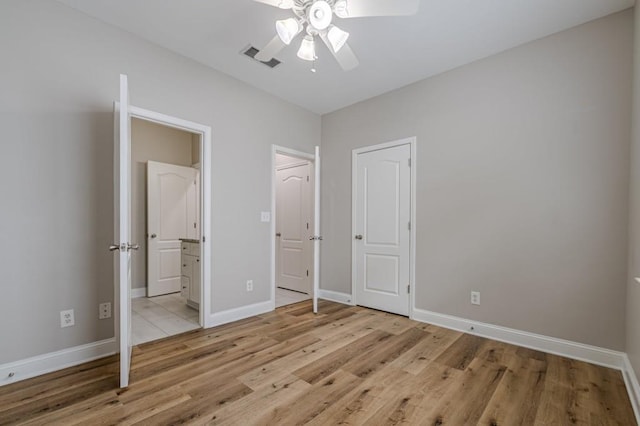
190,272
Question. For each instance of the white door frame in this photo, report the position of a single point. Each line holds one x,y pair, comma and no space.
206,232
276,149
412,249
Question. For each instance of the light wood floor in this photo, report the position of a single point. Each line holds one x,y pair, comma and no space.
347,365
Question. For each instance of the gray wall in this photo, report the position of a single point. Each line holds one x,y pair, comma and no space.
151,142
522,183
633,290
58,80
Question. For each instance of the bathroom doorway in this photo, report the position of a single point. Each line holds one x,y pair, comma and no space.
165,201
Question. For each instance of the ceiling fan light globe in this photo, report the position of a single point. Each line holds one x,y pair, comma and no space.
320,15
287,29
337,37
307,49
340,9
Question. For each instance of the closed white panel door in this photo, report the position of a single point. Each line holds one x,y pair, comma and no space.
382,229
293,228
171,215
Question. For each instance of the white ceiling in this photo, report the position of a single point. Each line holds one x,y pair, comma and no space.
393,51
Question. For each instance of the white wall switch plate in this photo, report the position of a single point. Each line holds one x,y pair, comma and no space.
67,319
249,285
104,310
265,216
475,297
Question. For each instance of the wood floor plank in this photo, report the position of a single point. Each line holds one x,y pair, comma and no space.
428,349
364,364
44,406
345,365
262,404
282,367
314,400
461,352
608,385
516,398
559,402
323,367
465,401
360,320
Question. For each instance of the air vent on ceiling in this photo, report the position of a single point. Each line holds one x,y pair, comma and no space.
252,52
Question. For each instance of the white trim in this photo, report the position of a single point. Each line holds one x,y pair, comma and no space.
552,345
54,361
206,232
137,293
292,165
335,296
412,142
293,153
631,383
242,312
277,149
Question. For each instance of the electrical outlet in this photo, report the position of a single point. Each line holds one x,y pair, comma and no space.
475,297
265,216
67,319
249,285
104,310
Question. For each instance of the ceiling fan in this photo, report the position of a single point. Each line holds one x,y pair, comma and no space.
315,18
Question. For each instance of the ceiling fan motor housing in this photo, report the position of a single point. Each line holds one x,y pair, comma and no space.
320,15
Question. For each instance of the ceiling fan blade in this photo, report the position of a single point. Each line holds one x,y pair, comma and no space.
361,8
282,4
345,56
270,50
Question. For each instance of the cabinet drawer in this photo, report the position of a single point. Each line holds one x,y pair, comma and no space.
194,292
185,285
186,248
186,265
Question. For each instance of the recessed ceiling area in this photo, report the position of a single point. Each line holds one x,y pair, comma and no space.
393,51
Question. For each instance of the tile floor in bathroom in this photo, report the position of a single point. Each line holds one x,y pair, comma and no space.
287,297
162,316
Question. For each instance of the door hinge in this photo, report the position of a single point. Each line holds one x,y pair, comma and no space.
307,272
307,178
408,288
307,225
409,226
409,162
203,239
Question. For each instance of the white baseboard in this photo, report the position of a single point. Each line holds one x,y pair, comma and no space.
633,388
335,296
138,292
54,361
236,314
566,348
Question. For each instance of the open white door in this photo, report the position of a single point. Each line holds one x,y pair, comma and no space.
122,198
316,232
